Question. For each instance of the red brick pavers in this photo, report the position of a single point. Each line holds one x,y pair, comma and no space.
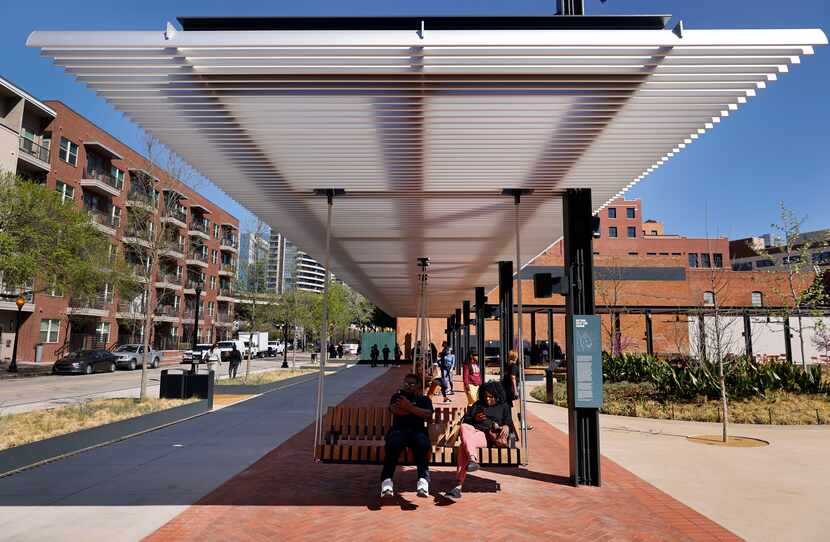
286,496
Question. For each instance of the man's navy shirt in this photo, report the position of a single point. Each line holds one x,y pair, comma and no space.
411,422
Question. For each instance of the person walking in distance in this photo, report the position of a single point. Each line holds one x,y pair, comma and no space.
340,350
510,383
375,354
386,353
234,360
214,358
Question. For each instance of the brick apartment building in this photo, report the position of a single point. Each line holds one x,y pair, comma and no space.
51,143
637,265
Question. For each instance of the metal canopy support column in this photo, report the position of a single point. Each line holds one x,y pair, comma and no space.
505,312
466,341
583,423
324,332
533,336
701,339
550,338
788,344
748,334
481,301
649,335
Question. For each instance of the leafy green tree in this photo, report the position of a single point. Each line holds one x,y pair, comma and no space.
50,245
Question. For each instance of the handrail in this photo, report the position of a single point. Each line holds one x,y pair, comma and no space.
34,149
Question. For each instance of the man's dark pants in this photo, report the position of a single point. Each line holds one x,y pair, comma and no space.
396,441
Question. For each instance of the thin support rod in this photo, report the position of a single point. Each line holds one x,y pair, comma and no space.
324,335
522,392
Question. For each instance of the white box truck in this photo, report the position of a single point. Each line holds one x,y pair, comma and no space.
256,342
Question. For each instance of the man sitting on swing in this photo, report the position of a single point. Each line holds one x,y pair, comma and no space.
412,411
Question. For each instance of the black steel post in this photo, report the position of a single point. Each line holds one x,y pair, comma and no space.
550,338
195,329
788,344
449,332
481,301
533,350
459,339
505,311
649,335
13,364
466,330
285,346
583,423
748,334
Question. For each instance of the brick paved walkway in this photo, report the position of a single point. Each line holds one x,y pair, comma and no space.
286,496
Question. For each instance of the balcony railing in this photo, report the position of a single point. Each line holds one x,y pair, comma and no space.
226,292
169,278
33,149
8,290
224,318
193,284
131,308
199,226
167,310
229,242
142,197
178,214
104,177
94,302
231,267
200,256
104,219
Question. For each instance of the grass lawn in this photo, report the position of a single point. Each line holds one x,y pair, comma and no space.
267,377
26,427
781,408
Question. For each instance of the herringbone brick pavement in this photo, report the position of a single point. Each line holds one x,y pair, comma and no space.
286,496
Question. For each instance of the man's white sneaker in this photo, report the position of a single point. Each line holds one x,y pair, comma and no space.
423,487
386,488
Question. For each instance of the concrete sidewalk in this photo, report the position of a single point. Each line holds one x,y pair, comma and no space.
778,492
127,490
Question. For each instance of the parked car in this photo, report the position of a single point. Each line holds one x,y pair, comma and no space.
85,362
201,352
275,348
350,349
131,356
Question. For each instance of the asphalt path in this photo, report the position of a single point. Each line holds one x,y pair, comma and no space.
35,393
127,490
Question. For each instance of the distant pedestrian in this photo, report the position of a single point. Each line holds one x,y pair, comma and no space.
214,358
339,350
447,363
434,351
386,353
375,354
234,361
332,351
397,354
471,373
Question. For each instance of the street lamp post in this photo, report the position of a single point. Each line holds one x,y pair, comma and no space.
195,329
20,301
285,345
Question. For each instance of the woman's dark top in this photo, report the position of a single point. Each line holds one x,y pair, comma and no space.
507,382
499,414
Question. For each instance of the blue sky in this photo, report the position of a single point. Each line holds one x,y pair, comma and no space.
728,183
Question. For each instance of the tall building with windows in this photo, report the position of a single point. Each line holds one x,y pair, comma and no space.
90,168
275,274
290,267
253,254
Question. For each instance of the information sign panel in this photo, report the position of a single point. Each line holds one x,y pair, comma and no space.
587,361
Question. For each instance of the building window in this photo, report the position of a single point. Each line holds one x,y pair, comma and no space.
757,299
704,260
629,212
214,256
212,283
692,259
596,253
118,175
742,266
664,254
676,254
717,259
633,253
102,332
66,192
216,231
651,254
612,212
764,263
632,231
49,331
612,231
68,152
210,309
709,298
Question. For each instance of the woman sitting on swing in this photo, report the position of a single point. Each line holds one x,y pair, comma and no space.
488,423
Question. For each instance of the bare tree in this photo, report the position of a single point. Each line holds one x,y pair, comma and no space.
804,288
611,290
153,239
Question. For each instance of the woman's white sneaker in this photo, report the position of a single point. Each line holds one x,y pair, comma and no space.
386,488
423,487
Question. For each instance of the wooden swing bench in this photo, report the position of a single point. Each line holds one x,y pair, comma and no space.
356,435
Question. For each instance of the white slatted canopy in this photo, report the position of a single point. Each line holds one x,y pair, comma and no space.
424,130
